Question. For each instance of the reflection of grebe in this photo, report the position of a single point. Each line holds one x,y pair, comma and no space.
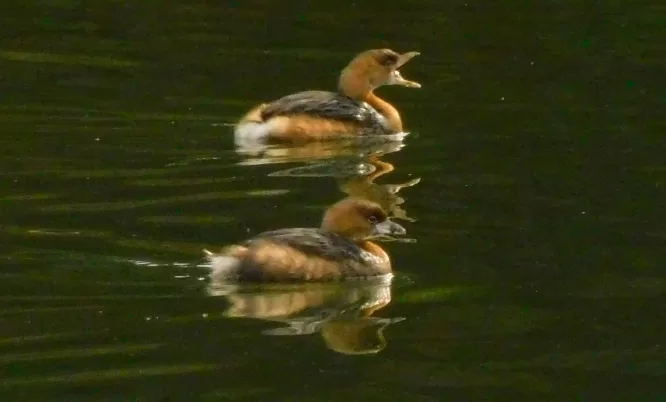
261,154
386,195
339,250
321,115
341,313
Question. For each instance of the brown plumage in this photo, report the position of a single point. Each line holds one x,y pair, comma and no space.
339,250
321,115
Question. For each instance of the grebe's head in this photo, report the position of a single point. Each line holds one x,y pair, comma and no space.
374,68
358,218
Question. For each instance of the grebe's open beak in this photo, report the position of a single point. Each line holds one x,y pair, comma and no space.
396,79
389,227
404,58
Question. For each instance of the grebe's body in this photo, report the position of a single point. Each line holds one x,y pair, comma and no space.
330,105
339,250
321,115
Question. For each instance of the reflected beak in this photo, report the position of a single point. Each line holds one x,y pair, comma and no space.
396,78
388,227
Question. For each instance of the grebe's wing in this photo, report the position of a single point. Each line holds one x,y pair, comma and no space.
322,104
315,242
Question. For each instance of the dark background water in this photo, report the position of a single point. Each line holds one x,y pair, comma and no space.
537,271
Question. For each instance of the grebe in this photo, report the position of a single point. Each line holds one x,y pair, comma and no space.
341,249
322,115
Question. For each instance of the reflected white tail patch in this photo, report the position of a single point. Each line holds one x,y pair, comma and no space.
398,136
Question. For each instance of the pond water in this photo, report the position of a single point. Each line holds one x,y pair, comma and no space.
531,187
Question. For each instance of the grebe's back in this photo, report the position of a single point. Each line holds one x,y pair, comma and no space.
328,105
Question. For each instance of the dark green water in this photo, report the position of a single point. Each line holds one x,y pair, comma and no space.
538,267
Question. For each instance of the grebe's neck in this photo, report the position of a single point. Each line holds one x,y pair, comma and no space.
352,84
356,86
383,260
385,109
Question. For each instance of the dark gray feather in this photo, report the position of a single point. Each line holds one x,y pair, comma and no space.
315,242
327,105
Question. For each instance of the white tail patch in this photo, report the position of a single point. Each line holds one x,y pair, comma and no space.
223,266
221,262
252,133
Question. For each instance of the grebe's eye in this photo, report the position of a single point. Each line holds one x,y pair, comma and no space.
373,219
388,59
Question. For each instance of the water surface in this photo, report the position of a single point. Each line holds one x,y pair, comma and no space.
534,177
